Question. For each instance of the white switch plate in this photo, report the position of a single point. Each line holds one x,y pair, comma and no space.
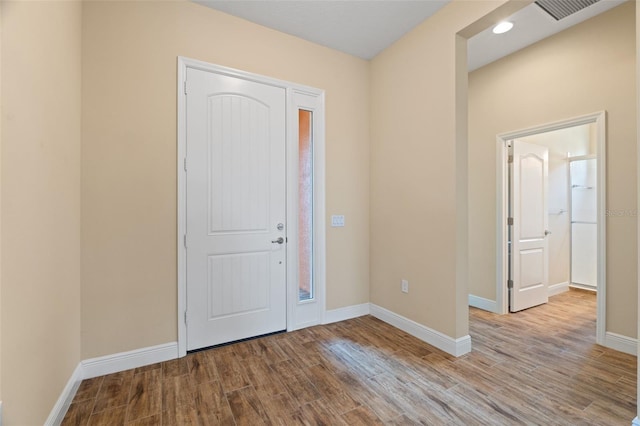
405,286
337,220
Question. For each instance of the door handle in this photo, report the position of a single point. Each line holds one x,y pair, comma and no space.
280,240
547,232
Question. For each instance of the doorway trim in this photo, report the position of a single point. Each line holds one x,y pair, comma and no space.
599,119
299,314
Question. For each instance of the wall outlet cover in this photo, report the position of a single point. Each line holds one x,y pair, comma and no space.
337,220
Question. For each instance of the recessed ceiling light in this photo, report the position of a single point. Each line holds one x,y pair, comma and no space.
502,27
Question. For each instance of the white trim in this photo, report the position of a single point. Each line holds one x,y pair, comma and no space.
621,343
122,361
502,209
306,313
182,208
584,287
484,304
64,400
492,305
298,315
320,209
556,125
455,347
348,312
108,364
599,118
558,288
601,295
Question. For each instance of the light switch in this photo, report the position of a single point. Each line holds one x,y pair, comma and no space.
337,220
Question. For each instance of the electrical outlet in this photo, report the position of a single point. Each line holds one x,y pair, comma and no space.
405,286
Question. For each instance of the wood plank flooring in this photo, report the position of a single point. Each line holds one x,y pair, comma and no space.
537,367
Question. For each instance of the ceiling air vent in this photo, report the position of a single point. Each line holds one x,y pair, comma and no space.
559,9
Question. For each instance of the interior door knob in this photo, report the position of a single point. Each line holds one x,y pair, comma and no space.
280,240
547,232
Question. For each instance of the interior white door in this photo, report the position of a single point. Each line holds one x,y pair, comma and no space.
236,203
529,243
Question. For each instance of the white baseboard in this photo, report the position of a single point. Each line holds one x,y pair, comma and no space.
492,306
484,304
64,401
346,313
108,364
455,347
558,288
584,287
621,343
100,366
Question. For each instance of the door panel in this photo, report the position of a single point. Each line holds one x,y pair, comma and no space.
238,148
532,194
531,269
529,233
237,284
236,271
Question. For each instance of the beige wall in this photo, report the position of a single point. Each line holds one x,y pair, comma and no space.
127,196
40,190
588,68
418,171
129,52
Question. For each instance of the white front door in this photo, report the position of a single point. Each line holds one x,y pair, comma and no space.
529,243
236,203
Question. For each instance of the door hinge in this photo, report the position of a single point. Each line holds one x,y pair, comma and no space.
509,284
184,240
510,221
184,85
510,159
184,163
185,317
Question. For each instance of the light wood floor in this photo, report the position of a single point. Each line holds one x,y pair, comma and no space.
537,367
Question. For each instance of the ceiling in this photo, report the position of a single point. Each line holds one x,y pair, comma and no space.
364,28
531,24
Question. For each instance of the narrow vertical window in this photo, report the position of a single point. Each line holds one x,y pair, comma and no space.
305,203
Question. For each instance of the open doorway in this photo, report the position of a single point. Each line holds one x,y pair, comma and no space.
573,219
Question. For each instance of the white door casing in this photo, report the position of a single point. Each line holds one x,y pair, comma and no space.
298,314
600,120
306,313
530,254
236,209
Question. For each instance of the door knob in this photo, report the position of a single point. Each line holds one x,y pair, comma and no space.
280,240
547,232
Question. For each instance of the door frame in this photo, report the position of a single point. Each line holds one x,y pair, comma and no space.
502,299
299,314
